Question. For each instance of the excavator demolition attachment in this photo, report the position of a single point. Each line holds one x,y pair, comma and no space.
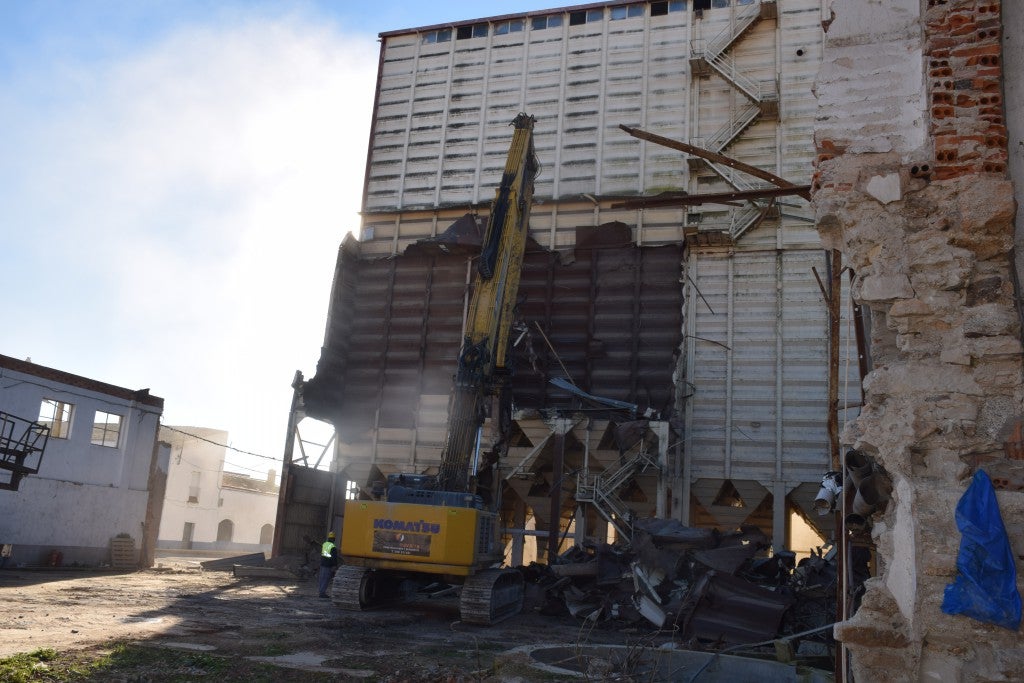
431,529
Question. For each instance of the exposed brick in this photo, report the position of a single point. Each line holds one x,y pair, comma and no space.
964,30
988,84
970,50
995,140
945,172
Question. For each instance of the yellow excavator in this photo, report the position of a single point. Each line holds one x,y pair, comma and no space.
428,528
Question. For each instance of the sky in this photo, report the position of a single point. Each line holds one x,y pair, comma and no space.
175,179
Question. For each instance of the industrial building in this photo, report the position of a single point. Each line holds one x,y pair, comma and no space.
709,320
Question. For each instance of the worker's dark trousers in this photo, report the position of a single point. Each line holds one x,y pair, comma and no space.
325,579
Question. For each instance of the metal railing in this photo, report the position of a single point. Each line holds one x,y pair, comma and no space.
600,489
746,16
726,67
22,443
736,124
713,52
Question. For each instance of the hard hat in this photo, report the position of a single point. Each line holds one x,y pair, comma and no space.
330,535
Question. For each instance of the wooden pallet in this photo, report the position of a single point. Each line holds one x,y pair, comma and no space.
122,553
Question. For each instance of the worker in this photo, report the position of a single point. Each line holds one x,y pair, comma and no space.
328,563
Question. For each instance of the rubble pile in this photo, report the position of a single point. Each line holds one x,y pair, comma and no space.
702,584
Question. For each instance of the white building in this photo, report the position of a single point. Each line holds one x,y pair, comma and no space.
208,509
99,476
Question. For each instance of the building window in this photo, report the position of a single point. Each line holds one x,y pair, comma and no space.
550,21
588,16
57,416
505,27
719,4
626,11
441,36
266,534
474,31
351,490
225,530
106,429
662,8
585,17
193,488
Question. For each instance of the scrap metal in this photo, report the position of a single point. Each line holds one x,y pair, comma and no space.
712,588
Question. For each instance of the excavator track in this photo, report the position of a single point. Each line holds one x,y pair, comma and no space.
491,595
353,588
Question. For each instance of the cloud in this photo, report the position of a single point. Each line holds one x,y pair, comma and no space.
177,213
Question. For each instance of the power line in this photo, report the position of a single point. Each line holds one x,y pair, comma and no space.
222,445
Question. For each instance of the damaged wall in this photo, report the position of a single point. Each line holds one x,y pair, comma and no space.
912,186
611,310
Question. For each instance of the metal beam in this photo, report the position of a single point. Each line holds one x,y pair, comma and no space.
717,158
711,198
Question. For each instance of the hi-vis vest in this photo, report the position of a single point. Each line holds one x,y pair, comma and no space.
326,549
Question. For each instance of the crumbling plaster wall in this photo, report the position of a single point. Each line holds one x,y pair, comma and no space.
1013,91
911,185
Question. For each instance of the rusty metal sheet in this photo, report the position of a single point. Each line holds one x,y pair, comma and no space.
727,609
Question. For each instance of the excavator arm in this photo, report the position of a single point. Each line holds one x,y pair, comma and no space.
482,360
439,527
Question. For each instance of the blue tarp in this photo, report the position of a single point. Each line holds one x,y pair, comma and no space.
985,587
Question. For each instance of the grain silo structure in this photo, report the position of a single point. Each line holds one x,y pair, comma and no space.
673,344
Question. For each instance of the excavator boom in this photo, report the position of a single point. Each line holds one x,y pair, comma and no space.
482,361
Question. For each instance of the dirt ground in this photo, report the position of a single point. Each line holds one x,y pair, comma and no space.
280,622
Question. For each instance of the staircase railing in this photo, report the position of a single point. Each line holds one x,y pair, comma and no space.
746,16
599,490
736,124
726,67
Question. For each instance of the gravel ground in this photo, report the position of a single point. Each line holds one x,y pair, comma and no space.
276,621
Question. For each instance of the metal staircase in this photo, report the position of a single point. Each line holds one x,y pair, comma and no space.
733,128
600,490
707,57
22,443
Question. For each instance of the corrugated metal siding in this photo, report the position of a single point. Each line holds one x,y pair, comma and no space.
757,367
580,82
614,318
